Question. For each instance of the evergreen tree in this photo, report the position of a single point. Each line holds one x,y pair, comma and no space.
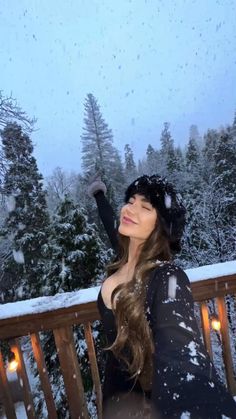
167,152
27,221
233,128
78,258
209,194
193,182
141,167
179,159
130,166
210,144
151,162
179,173
194,133
97,139
225,169
98,151
192,156
77,254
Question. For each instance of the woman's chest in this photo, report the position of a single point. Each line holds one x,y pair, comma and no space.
110,284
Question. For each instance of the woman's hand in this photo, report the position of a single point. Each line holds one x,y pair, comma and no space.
95,184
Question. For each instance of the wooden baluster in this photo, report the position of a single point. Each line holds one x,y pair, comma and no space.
226,350
43,374
94,367
206,328
71,372
24,381
5,392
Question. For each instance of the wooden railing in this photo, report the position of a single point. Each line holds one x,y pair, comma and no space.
29,318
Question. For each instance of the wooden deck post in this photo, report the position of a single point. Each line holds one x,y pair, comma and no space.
226,350
71,372
5,392
24,381
206,328
94,367
43,374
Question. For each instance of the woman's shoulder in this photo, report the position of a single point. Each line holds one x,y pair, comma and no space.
167,267
166,272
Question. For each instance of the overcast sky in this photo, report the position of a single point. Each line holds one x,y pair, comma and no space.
146,62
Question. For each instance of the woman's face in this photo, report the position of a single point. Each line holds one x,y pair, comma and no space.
137,218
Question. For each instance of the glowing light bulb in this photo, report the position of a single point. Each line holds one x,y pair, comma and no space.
12,365
215,323
12,362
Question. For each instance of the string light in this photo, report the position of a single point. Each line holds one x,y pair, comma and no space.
215,322
12,362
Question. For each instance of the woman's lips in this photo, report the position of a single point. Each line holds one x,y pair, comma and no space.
128,220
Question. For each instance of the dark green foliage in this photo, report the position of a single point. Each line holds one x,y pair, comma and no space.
27,221
77,254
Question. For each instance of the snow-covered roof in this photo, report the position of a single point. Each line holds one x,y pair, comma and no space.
69,299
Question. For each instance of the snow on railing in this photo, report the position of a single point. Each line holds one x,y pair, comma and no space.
70,299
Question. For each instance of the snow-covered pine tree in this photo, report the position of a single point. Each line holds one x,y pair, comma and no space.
192,156
210,144
78,258
233,127
98,151
130,166
168,158
194,133
193,166
210,229
225,169
180,180
151,160
27,221
77,255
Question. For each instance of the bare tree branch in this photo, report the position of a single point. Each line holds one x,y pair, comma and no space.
10,111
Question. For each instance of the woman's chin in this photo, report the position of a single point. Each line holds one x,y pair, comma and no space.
122,230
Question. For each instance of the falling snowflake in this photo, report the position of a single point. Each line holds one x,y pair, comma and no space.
167,201
18,256
10,203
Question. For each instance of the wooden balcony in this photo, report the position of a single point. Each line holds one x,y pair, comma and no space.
60,313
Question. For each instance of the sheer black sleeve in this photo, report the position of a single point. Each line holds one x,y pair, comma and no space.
108,218
183,374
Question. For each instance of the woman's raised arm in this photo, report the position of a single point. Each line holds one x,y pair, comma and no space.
98,189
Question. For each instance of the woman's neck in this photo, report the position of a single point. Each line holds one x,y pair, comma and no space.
134,252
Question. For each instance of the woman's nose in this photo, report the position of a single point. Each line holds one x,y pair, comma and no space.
131,209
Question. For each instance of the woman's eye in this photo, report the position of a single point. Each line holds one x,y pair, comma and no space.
149,209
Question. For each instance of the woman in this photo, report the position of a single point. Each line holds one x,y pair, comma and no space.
147,310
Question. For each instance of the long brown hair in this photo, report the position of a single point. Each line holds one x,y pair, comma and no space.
134,341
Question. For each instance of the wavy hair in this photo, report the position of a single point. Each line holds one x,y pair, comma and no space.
134,340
